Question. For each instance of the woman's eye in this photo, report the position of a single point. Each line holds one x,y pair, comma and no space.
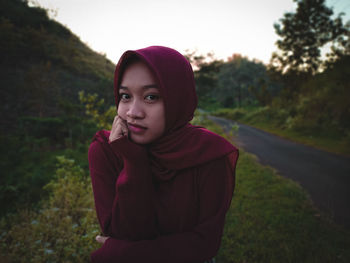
152,97
124,96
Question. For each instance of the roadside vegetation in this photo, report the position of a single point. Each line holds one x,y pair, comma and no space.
277,122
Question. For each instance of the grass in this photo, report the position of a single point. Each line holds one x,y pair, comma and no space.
271,219
275,123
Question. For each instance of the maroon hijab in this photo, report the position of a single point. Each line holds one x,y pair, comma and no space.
182,145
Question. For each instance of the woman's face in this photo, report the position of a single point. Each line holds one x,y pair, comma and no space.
141,104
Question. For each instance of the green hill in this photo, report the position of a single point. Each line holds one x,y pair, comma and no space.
44,65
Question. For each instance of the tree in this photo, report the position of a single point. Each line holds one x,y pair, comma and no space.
261,92
341,48
206,69
235,78
198,60
303,34
206,78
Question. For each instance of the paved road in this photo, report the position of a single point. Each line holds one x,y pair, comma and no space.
325,176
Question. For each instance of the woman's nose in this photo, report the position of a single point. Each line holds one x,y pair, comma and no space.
135,111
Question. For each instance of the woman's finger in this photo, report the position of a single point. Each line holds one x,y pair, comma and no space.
119,129
101,239
114,131
124,127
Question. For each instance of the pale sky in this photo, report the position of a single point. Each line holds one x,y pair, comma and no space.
224,27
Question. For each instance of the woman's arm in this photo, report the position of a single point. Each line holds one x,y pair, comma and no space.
124,196
104,167
202,243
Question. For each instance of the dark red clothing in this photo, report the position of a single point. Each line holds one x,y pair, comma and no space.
176,220
165,201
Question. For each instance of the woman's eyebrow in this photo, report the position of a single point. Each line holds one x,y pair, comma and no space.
151,86
123,87
145,87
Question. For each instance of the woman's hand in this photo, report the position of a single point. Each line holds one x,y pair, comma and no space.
101,239
119,129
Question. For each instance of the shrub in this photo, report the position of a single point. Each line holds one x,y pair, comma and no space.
63,230
233,114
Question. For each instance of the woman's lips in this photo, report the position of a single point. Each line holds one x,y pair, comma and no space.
136,128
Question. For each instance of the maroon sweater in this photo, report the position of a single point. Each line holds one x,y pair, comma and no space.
180,219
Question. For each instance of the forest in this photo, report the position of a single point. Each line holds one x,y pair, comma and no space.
57,92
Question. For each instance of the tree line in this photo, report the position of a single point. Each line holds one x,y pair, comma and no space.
307,76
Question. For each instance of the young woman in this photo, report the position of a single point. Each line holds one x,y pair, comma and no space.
161,186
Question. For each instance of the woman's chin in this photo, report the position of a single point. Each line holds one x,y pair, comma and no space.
142,139
138,139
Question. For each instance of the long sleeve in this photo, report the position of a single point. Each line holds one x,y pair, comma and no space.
104,167
216,185
123,189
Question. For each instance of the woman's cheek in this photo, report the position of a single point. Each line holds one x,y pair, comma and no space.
122,111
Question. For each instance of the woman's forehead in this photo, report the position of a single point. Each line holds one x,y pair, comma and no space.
138,72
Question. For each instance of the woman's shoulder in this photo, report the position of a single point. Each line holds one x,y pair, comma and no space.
101,136
99,142
215,147
221,168
206,135
226,160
